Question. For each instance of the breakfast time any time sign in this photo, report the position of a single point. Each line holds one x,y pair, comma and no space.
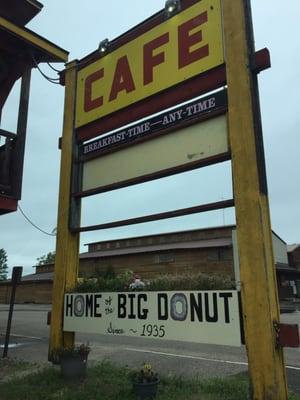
202,316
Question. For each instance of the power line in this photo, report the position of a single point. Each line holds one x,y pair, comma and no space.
34,225
52,80
54,69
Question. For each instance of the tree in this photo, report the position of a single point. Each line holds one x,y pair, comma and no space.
3,265
46,259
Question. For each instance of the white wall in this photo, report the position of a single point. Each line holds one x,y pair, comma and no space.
280,250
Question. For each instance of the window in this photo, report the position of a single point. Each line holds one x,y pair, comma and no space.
221,254
164,258
213,255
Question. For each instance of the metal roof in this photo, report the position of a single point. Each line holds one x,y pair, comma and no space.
163,234
223,242
38,277
292,247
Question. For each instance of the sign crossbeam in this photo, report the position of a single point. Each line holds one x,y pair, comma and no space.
155,217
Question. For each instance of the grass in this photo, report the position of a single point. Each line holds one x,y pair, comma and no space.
107,382
10,367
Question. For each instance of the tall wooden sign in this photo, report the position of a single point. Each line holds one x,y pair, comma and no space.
131,81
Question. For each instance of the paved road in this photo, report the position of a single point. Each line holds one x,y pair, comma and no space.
30,336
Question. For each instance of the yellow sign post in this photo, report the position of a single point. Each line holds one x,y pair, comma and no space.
257,267
67,243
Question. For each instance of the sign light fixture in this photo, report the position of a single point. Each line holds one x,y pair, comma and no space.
103,46
172,7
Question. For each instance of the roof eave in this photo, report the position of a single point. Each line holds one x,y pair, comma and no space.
20,11
43,48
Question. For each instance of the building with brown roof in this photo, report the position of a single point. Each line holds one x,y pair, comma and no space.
211,250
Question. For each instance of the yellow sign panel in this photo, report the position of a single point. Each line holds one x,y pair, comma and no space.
182,47
193,143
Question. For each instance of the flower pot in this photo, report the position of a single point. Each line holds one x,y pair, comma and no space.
73,368
146,390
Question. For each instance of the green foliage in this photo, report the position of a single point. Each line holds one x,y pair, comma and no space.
187,281
107,273
46,259
3,265
117,283
293,396
108,382
11,367
191,281
145,374
81,351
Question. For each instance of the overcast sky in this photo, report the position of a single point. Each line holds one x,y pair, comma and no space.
78,27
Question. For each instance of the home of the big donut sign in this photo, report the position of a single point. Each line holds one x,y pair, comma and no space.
201,316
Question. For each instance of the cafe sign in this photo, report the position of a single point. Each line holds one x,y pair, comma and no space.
178,49
193,316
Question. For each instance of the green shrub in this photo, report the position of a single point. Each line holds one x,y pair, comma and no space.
105,283
167,282
191,281
107,273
